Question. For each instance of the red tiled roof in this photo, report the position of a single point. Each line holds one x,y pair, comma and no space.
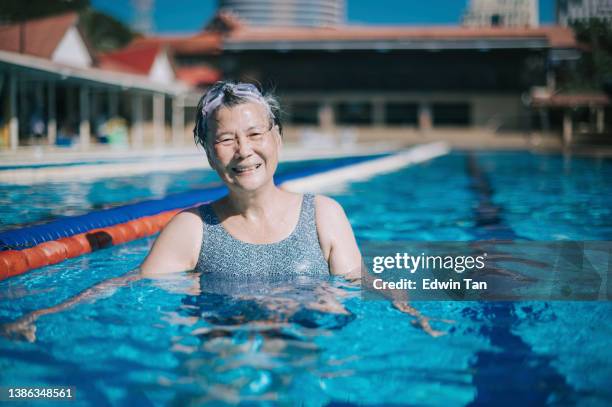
561,37
207,43
211,40
558,37
139,55
42,36
108,64
133,59
198,75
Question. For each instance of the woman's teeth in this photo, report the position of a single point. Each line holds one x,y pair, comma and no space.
240,170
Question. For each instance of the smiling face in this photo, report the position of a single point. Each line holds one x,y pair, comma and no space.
243,146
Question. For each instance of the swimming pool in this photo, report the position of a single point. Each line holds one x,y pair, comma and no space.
153,343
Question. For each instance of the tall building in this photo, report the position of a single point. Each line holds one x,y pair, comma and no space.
143,16
278,13
506,13
577,10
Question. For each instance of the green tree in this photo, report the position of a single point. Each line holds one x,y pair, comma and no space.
19,10
104,32
594,69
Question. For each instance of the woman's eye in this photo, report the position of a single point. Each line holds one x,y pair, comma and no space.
225,141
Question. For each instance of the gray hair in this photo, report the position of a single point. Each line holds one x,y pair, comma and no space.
228,94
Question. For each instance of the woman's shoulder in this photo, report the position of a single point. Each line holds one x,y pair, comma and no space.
177,246
333,228
192,214
327,207
201,214
186,222
329,214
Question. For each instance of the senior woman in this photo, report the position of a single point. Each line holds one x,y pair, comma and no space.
257,228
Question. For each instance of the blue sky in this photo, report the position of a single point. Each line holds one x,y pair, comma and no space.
184,16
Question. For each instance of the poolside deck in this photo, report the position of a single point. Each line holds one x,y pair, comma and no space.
50,163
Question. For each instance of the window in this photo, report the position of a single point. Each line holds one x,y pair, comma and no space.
304,113
354,113
451,114
401,113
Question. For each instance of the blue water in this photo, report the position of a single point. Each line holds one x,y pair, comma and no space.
156,343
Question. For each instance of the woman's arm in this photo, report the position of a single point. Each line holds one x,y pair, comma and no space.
24,327
339,245
177,247
337,239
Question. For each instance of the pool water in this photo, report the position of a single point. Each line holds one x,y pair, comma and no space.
160,343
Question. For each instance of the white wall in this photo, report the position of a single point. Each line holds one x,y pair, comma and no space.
72,50
162,71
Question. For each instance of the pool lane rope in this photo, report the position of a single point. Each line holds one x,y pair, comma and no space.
364,170
32,247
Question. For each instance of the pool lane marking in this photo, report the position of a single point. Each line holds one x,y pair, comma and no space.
32,176
369,169
21,165
517,367
490,224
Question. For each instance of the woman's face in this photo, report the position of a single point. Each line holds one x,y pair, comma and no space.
243,146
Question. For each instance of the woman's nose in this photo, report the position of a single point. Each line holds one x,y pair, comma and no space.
243,148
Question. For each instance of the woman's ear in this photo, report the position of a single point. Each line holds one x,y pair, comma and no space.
209,157
277,133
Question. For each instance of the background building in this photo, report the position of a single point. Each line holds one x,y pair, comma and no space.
579,10
366,79
55,90
340,83
297,13
507,13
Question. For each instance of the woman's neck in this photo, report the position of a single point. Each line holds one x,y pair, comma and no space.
253,205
